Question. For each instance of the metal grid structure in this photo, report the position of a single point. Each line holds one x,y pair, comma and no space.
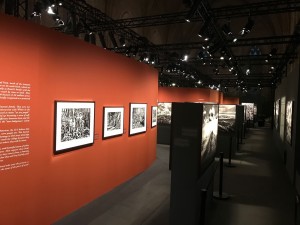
205,65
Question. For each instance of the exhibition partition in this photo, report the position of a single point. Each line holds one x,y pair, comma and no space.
167,95
58,150
194,134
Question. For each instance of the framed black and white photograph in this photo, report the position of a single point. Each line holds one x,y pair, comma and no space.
276,114
227,118
154,116
255,110
164,111
74,125
289,122
113,121
138,118
209,132
249,110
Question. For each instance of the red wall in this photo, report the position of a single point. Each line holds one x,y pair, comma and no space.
231,100
174,94
60,67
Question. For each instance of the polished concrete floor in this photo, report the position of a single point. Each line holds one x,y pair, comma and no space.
259,188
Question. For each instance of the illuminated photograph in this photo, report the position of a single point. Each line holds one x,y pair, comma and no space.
138,118
154,116
289,122
164,113
209,132
113,121
74,125
227,117
249,111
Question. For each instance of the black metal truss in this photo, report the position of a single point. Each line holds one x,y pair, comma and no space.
17,8
260,8
290,49
273,40
93,18
258,76
253,9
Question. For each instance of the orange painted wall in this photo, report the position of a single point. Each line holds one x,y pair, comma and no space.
60,67
231,100
174,94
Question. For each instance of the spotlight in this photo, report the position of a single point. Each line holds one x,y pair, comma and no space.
113,40
102,40
226,29
248,27
122,41
93,39
152,59
185,58
273,52
234,40
37,9
50,10
247,71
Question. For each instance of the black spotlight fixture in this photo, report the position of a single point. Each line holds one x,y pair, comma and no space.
273,52
93,39
112,38
226,29
122,41
102,40
248,27
37,9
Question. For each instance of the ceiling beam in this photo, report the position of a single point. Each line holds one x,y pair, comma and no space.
253,9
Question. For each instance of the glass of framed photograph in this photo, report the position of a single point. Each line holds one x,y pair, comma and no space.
138,118
154,116
74,125
164,112
113,121
289,122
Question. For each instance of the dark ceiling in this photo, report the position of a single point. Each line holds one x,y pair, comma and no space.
162,33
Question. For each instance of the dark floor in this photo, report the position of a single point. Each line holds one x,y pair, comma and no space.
261,193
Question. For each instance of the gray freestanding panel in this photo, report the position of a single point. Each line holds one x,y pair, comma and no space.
191,171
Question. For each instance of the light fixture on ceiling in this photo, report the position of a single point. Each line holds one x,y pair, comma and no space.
273,52
112,38
226,29
248,71
58,20
37,9
122,41
185,58
92,38
102,40
50,10
248,27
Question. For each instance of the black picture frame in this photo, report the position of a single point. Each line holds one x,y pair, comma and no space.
113,121
289,121
153,116
74,125
138,118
